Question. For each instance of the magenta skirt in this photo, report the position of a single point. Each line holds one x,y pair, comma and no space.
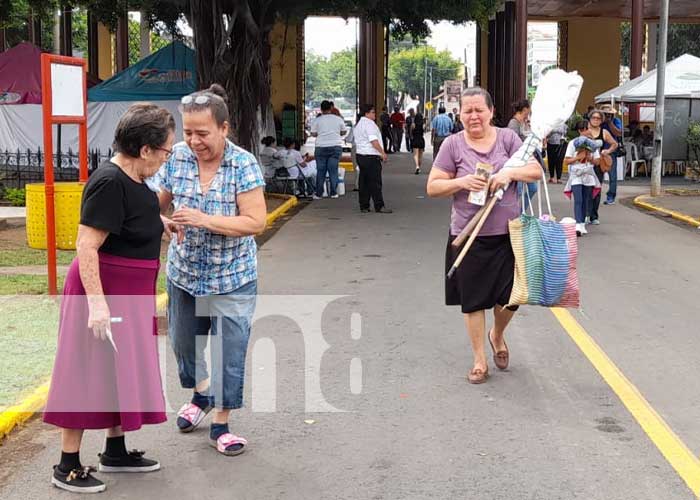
94,386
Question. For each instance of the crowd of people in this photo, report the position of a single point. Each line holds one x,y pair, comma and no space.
207,194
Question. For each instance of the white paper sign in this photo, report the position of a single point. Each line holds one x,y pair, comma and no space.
67,90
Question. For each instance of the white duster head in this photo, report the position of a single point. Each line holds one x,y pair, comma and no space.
554,101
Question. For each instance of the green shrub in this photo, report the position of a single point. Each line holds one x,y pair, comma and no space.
571,123
692,137
17,197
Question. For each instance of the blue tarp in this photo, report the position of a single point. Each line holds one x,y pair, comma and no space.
165,75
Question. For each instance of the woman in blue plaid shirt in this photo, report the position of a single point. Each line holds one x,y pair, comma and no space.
216,189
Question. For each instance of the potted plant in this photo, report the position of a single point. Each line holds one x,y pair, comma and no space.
692,137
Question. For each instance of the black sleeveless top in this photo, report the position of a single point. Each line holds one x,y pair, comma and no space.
601,137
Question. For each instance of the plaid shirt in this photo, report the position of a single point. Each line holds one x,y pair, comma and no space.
207,263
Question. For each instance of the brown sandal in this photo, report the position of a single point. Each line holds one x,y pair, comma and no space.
500,358
478,376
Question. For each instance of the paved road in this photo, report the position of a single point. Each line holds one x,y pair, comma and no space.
410,426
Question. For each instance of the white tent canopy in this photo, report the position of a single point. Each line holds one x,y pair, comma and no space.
682,82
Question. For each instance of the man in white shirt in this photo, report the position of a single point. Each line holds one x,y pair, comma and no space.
328,130
370,154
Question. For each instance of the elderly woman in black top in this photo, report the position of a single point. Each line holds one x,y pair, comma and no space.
106,373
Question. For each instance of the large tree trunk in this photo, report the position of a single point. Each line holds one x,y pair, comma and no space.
233,49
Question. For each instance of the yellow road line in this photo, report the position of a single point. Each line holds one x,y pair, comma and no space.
18,414
642,201
668,443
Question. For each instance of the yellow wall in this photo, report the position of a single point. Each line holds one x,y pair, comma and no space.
283,67
594,51
105,66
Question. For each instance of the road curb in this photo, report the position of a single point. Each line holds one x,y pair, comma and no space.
21,412
282,209
641,202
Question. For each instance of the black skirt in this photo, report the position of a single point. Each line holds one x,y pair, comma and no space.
484,279
418,141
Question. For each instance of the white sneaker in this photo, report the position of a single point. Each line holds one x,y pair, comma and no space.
587,220
581,228
314,197
595,222
335,196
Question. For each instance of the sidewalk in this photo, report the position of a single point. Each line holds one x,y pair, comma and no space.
682,204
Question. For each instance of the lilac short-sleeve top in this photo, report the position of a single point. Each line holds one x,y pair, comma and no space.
458,158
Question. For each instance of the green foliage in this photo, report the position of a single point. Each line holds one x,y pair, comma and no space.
571,124
692,137
682,39
231,37
16,197
157,42
407,68
333,77
28,327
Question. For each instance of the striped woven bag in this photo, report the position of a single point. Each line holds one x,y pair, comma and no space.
545,261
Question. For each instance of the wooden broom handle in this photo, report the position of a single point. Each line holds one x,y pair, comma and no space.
472,237
461,238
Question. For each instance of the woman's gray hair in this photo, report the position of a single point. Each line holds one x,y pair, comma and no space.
215,102
472,91
143,124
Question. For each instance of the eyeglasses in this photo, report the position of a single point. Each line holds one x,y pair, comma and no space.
168,151
596,117
200,99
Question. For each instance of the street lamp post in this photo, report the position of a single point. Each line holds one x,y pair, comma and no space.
425,85
431,86
660,92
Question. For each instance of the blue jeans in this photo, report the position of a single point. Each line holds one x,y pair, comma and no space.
582,198
327,160
612,187
531,188
228,317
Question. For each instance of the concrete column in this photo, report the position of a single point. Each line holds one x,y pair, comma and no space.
636,52
371,63
477,72
483,36
122,42
510,63
637,38
66,28
652,29
57,32
93,52
105,43
145,32
382,61
491,59
520,49
501,104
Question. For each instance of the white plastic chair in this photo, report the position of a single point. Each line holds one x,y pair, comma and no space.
635,160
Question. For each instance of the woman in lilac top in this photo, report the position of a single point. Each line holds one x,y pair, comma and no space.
485,277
